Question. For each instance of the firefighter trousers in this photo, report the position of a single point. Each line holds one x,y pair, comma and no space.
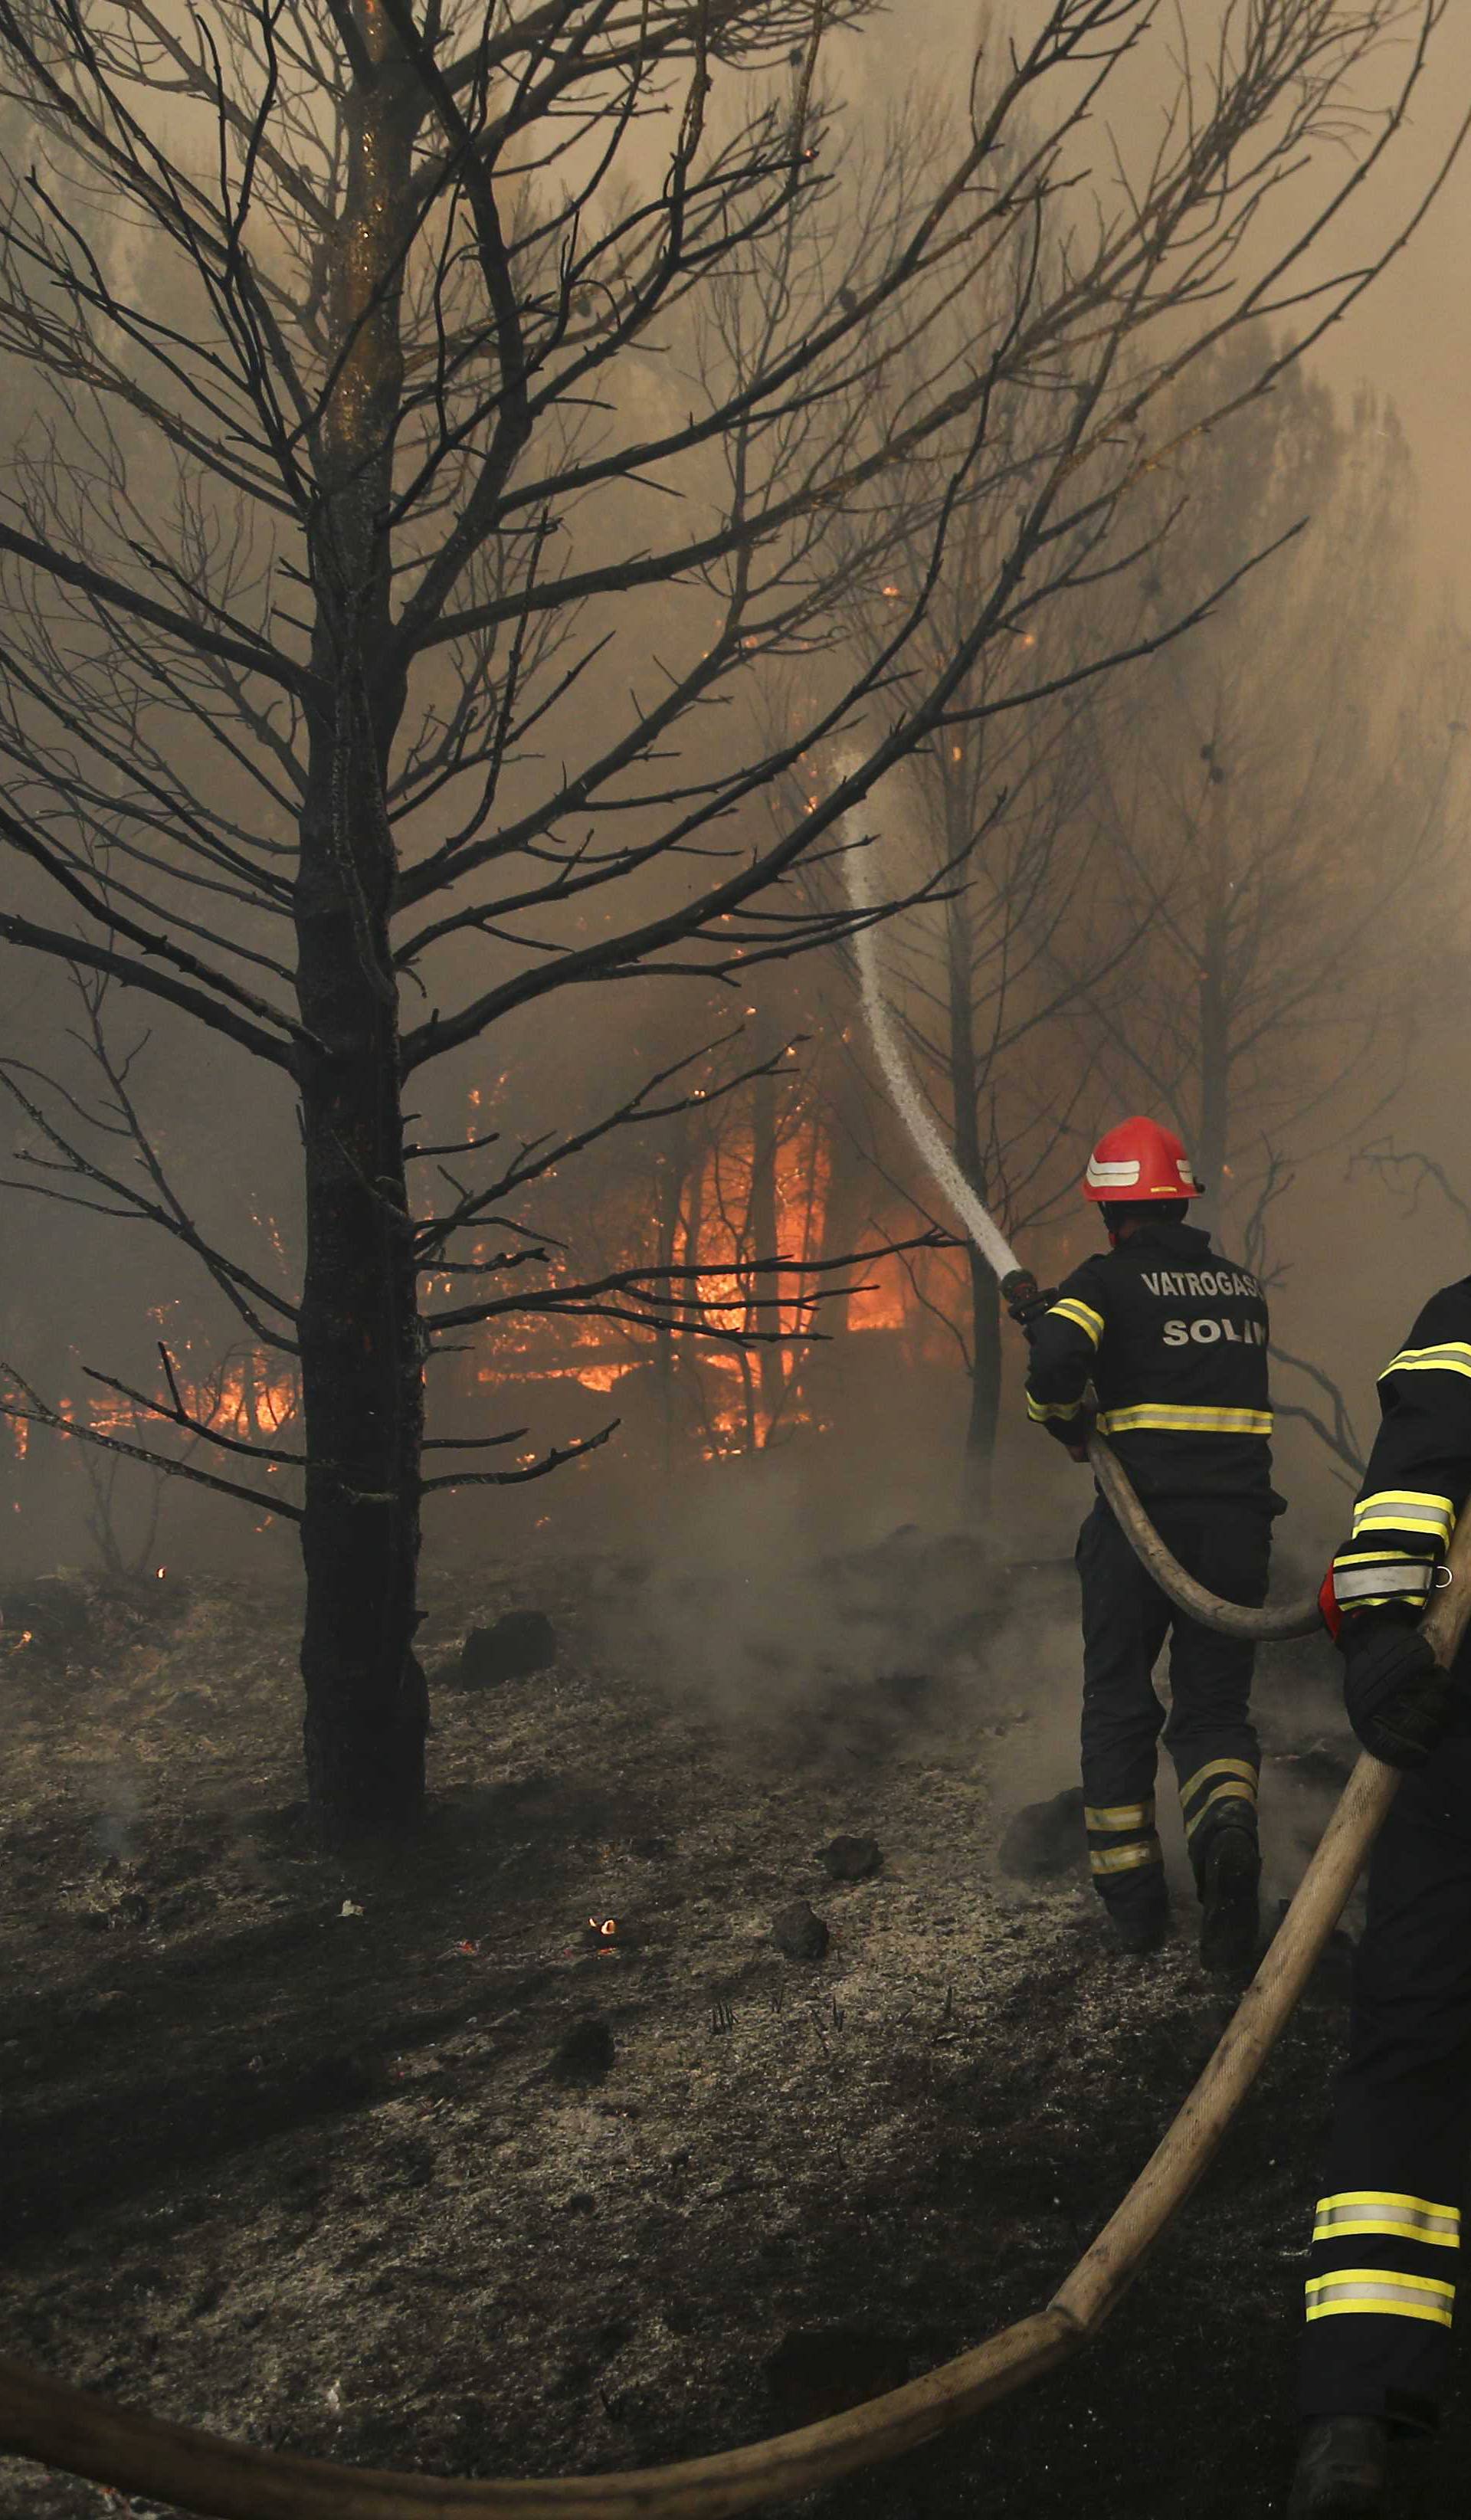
1226,1543
1386,2233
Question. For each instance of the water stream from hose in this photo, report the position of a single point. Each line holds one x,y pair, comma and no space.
865,894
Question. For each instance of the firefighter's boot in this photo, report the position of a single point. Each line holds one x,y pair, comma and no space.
1230,1879
1342,2470
1139,1919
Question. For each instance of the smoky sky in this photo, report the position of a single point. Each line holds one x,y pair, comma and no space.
1409,338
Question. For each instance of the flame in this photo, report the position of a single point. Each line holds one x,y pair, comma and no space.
730,1213
251,1397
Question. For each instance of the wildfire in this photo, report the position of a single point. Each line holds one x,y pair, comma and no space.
737,1199
248,1397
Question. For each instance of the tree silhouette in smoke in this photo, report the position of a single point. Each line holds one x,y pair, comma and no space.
424,464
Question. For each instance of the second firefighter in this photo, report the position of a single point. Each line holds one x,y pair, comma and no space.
1172,1339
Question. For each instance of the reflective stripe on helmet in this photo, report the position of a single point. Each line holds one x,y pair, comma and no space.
1139,1160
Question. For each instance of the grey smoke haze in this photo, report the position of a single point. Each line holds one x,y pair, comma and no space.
1410,337
1359,1263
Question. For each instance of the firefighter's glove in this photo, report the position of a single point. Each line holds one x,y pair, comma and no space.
1398,1697
1028,1311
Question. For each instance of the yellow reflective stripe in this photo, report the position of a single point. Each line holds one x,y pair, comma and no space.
1391,2196
1228,1793
1369,1584
1405,1509
1038,1410
1219,1768
1405,1496
1119,1814
1123,1859
1082,1315
1380,2291
1379,1557
1169,1417
1410,1518
1452,1356
1389,2216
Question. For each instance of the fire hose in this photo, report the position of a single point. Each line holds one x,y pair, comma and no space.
48,2420
1019,1290
45,2419
1299,1618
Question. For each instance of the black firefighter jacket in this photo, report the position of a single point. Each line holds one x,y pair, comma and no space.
1174,1341
1419,1470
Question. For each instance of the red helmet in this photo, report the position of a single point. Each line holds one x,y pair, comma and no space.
1139,1160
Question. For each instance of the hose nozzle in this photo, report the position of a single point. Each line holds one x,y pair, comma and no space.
1025,1300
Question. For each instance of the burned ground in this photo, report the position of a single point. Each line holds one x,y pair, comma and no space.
414,2162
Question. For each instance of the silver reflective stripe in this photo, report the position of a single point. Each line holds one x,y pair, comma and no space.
1405,1509
1230,1792
1411,2218
1452,1356
1351,1584
1081,1315
1241,1768
1374,2291
1130,1816
1038,1410
1176,1418
1124,1859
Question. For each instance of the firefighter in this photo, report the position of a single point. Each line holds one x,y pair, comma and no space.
1386,2233
1172,1339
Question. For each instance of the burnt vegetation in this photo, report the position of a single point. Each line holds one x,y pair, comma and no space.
499,505
448,460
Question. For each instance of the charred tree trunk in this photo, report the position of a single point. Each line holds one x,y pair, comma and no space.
362,1383
761,1241
985,1389
670,1173
1212,1146
847,1208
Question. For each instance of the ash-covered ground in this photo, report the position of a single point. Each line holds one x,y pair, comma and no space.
399,2162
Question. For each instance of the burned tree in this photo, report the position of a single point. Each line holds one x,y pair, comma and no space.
381,588
1259,790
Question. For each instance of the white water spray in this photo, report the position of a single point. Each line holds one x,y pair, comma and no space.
933,1153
